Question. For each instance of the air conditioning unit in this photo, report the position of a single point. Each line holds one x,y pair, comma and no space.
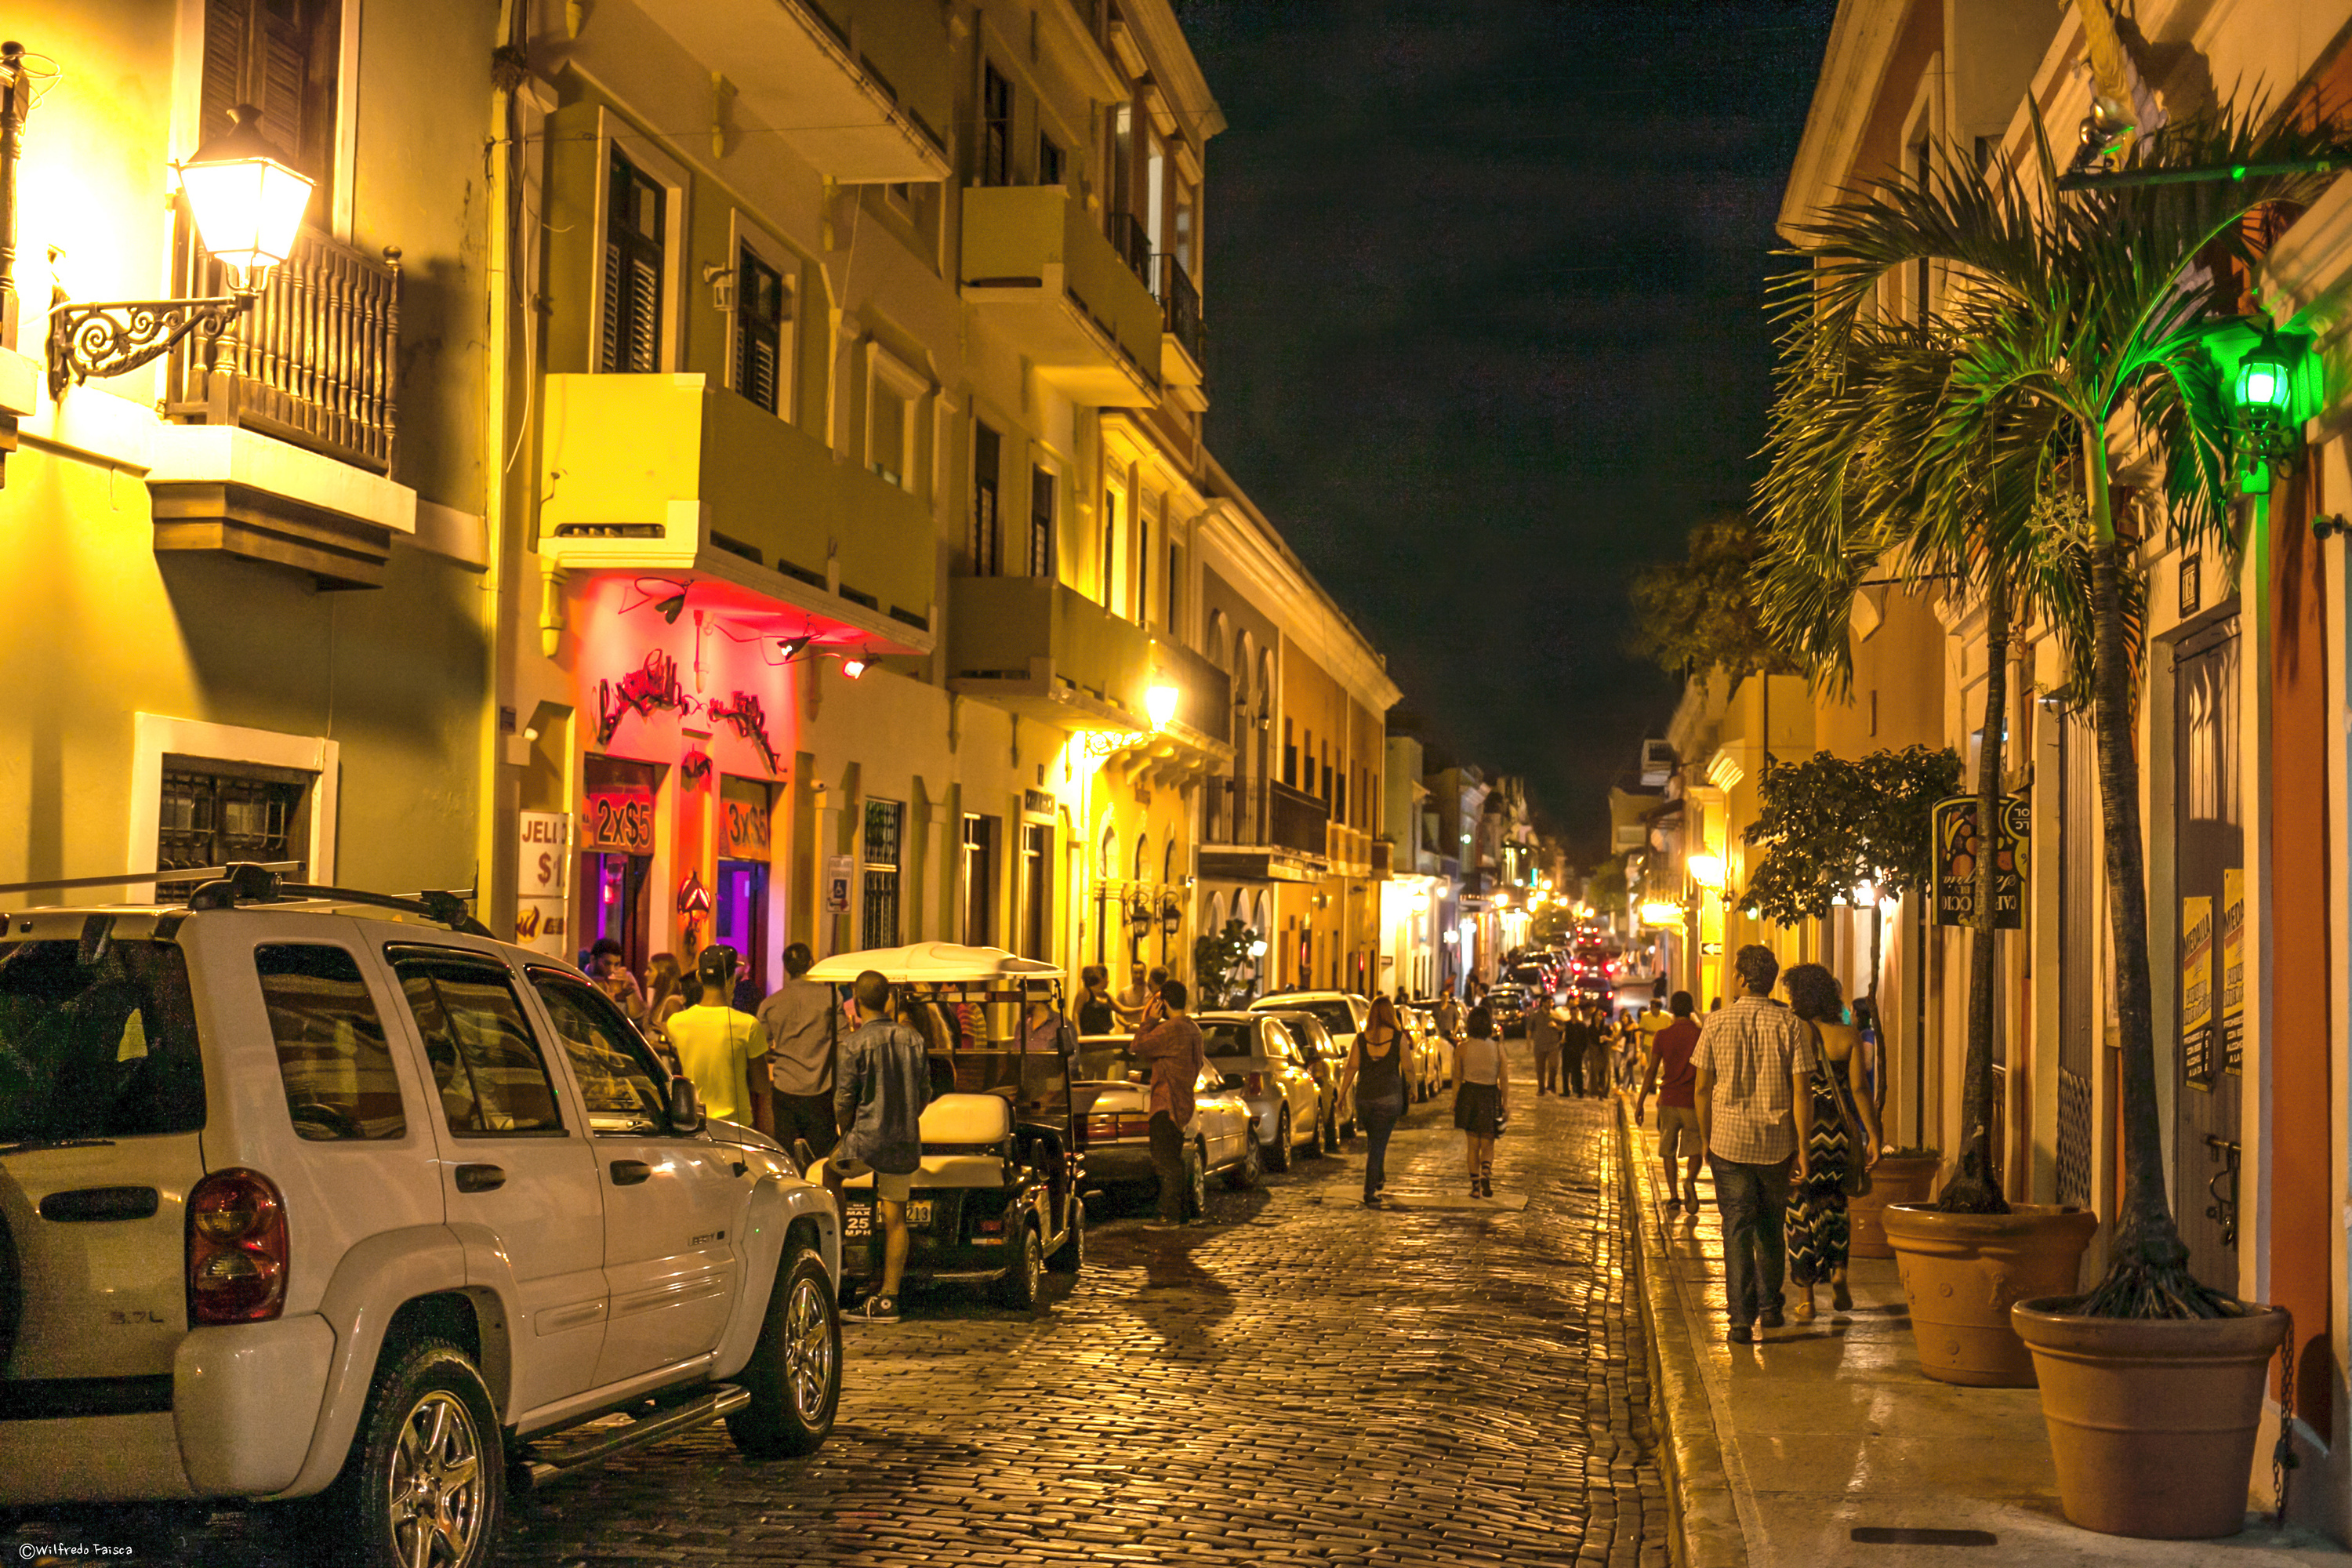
1658,763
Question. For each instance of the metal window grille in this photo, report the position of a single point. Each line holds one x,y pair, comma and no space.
987,525
211,815
996,128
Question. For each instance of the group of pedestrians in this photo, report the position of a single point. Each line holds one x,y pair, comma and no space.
1775,1098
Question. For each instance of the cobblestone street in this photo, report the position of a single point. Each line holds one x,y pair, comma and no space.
1297,1380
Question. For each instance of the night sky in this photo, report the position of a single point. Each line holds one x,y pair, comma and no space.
1484,292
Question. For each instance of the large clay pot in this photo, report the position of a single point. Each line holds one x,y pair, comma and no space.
1895,1179
2151,1423
1962,1272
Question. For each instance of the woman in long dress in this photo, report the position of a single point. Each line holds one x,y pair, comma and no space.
1818,1231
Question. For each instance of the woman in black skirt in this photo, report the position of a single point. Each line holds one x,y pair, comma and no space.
1481,1099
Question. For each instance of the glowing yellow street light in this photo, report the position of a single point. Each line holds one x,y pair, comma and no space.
249,206
1706,870
1160,703
1658,913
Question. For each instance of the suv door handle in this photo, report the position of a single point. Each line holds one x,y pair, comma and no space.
629,1173
480,1178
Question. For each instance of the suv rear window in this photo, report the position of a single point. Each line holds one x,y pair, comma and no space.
1336,1016
332,1055
97,1039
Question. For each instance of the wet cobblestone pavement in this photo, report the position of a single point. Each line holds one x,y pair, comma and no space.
1297,1381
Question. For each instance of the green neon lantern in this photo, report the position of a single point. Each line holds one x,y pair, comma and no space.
2265,380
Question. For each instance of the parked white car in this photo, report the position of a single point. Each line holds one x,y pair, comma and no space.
1257,1058
334,1196
1114,1091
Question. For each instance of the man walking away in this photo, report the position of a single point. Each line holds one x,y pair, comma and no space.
722,1052
884,1077
1670,1073
1575,1041
1598,1056
1543,1038
1170,1044
803,1029
1750,1072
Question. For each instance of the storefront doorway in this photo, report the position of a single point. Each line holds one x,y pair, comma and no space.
616,842
739,902
2210,885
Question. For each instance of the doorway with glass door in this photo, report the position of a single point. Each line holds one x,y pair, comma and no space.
2210,860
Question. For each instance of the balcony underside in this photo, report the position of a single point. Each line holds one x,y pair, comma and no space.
1072,349
1258,863
793,70
752,595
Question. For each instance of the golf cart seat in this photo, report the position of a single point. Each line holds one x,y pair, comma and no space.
964,1136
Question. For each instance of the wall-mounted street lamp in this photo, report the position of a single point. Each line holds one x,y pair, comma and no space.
1159,703
1706,870
247,208
1658,913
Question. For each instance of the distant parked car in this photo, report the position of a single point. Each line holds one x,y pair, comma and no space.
1425,1052
1342,1014
1508,1005
1115,1089
1275,1077
1326,1059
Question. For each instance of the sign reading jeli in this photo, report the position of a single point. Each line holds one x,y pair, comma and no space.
1956,861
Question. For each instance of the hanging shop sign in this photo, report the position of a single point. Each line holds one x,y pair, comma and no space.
652,684
838,871
2233,970
748,720
743,819
618,815
1956,861
2196,990
543,840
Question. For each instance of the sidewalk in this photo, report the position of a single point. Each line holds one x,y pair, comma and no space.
1777,1452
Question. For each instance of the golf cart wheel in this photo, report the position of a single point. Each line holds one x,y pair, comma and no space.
1025,1280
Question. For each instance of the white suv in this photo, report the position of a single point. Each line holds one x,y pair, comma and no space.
335,1194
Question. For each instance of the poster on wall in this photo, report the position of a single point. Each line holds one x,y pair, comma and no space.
543,882
838,872
743,819
1956,861
2196,990
2233,970
618,814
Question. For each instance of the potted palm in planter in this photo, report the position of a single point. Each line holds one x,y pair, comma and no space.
1881,456
2097,307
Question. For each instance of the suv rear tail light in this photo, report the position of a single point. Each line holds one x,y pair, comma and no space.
1254,1083
237,1249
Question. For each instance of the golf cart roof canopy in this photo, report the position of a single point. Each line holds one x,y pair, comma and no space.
934,963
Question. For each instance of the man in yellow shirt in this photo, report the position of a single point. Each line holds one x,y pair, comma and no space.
723,1053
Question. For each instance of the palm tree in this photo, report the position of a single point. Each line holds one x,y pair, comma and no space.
2091,308
1880,461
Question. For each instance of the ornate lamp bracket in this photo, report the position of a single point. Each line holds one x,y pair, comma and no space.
109,337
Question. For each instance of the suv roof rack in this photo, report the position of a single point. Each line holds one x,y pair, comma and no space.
251,883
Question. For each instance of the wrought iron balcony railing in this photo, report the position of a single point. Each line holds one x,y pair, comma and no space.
315,362
1133,243
1180,304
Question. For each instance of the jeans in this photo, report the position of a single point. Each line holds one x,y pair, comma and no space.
1168,1159
1752,1200
1576,1069
1380,1118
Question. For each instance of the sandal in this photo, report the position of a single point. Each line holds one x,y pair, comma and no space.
1805,1310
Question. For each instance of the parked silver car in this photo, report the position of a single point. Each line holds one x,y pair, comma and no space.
1258,1059
1326,1059
1114,1089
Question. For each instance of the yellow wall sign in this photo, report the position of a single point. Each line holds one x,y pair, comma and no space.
2234,969
2196,989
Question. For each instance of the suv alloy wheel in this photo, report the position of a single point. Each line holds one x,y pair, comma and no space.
794,1374
426,1479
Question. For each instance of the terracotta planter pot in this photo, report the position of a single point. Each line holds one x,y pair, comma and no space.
1895,1179
1962,1272
2152,1423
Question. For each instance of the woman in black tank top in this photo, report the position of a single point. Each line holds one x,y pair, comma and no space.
1379,1058
1095,1013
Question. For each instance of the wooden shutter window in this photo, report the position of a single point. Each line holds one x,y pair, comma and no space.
760,312
633,230
281,56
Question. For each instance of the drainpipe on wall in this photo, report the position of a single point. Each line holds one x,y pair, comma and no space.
494,868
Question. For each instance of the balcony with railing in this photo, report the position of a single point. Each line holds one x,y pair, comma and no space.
1043,650
315,362
1132,240
1204,704
1183,359
1036,268
284,429
1296,821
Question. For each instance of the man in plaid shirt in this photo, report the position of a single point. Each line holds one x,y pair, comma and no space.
1753,1061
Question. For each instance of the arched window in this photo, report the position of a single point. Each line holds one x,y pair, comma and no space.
1142,853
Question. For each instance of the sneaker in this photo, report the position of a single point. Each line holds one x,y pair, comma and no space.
875,1309
1739,1334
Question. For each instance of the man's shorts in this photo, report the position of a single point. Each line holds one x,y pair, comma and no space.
1677,1131
893,1187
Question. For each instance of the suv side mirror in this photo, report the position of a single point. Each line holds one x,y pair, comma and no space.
685,1106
